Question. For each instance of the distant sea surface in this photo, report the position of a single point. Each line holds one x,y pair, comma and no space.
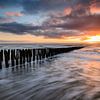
69,76
20,46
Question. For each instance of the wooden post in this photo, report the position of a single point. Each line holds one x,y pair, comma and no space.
30,54
47,52
21,56
7,57
1,58
26,54
43,53
12,57
36,54
17,56
33,54
51,52
39,54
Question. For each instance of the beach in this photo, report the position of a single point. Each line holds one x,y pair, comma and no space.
69,76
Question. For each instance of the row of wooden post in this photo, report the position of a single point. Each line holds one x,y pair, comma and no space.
21,56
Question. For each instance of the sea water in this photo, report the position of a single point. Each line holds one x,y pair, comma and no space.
69,76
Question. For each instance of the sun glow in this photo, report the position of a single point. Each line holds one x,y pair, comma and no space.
93,39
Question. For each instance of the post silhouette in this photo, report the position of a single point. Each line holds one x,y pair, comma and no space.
47,52
7,57
39,54
13,57
21,56
1,58
26,54
36,52
33,54
30,55
17,56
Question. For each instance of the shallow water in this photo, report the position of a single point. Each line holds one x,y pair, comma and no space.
69,76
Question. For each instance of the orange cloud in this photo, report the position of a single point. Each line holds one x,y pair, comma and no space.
95,10
67,11
14,14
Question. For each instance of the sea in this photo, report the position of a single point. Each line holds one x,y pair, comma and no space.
69,76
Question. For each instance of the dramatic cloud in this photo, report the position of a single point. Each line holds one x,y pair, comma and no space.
79,7
5,20
17,28
50,32
70,26
35,6
10,3
63,17
95,10
67,11
80,23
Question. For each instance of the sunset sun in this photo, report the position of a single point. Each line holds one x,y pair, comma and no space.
93,39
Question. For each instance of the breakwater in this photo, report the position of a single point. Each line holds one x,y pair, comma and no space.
15,57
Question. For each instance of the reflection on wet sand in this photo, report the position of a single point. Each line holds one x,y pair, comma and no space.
92,74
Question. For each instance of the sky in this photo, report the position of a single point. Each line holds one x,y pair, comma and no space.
49,21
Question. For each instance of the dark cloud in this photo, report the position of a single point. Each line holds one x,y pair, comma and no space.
61,34
17,28
10,3
82,7
50,32
79,7
82,23
6,20
72,26
35,6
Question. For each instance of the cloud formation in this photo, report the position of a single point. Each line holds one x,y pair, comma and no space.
66,26
17,28
79,7
80,23
65,17
14,14
10,3
5,20
35,6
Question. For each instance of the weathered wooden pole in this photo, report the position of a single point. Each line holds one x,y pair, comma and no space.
21,56
17,56
26,55
33,54
7,57
51,52
47,52
1,58
30,55
43,53
39,54
13,57
36,52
